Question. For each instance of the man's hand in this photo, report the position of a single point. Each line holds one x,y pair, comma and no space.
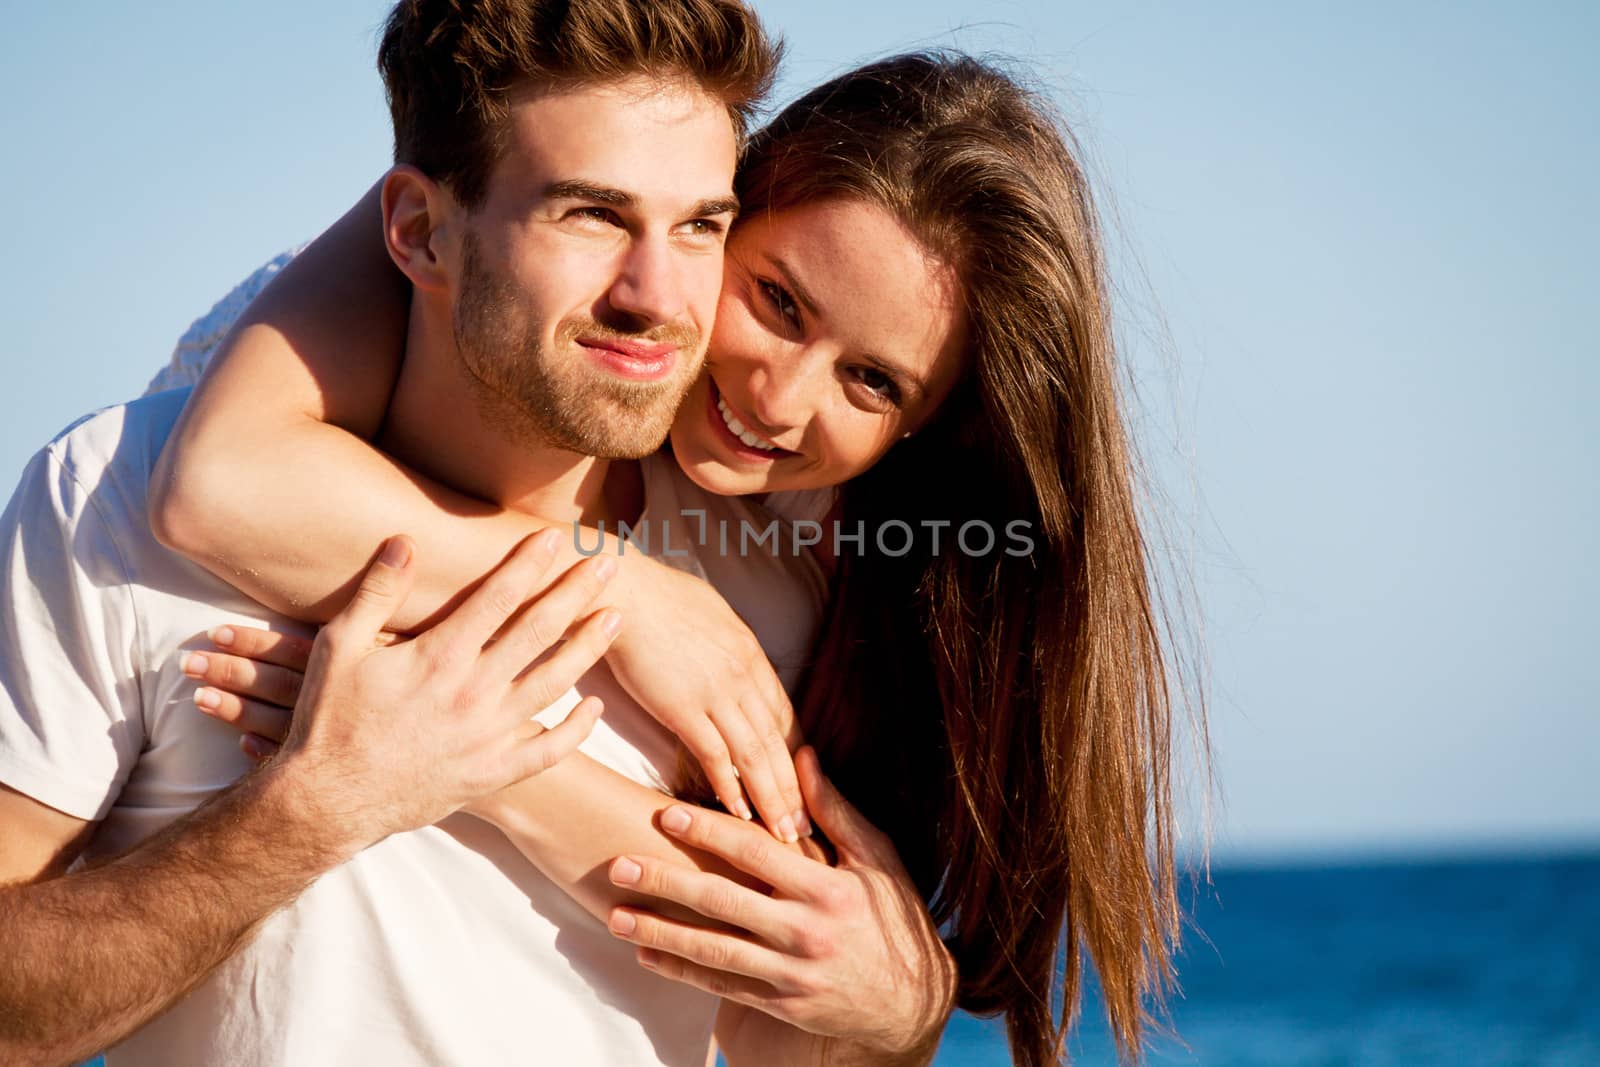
846,952
392,737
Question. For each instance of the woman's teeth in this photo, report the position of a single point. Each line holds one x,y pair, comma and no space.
736,428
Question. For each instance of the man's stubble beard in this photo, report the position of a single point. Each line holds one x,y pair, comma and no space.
543,399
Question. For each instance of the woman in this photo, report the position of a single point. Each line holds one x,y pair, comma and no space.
1002,717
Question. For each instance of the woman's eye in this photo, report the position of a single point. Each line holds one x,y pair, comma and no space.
781,302
879,384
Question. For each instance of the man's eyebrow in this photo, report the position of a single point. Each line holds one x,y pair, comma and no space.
717,205
577,189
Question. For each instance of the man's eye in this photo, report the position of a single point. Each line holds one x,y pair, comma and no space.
781,301
592,214
704,228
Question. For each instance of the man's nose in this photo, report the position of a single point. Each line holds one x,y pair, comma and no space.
649,287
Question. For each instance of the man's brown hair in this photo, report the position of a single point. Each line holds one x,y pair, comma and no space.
449,66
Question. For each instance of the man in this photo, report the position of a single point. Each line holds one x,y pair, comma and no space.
561,233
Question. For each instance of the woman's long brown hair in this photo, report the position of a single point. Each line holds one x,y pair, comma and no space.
1004,717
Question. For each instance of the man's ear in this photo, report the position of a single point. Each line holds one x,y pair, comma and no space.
417,212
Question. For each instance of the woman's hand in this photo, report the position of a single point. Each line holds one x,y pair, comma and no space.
844,952
693,664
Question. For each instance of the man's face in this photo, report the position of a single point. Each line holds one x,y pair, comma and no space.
588,278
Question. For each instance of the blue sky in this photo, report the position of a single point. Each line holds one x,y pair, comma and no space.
1353,248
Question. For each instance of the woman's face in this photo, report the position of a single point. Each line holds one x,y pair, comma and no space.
836,336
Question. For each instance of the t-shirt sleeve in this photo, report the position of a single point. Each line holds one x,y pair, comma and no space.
71,726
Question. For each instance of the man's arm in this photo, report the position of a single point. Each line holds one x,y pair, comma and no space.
87,957
388,739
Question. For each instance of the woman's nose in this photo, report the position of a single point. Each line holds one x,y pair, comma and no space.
785,391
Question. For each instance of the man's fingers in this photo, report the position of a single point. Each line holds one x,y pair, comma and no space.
748,847
509,586
542,623
251,716
713,949
384,588
543,684
245,677
713,896
537,754
752,757
284,650
735,987
846,827
258,748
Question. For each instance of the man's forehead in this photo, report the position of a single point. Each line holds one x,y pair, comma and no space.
653,139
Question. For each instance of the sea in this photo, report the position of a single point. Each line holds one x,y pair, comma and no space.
1461,962
1451,961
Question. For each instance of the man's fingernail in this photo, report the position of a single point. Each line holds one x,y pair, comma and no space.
194,665
207,698
604,569
744,811
625,872
396,552
222,636
622,923
647,957
786,830
802,822
675,819
612,623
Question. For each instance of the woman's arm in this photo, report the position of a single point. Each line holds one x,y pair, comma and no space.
817,964
269,482
273,443
570,826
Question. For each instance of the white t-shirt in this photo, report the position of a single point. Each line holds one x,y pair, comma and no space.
440,946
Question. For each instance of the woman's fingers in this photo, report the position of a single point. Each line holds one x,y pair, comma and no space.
506,589
748,847
252,716
540,625
750,742
705,743
768,717
245,677
717,898
284,650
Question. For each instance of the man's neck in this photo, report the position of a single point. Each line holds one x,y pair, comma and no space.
437,424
